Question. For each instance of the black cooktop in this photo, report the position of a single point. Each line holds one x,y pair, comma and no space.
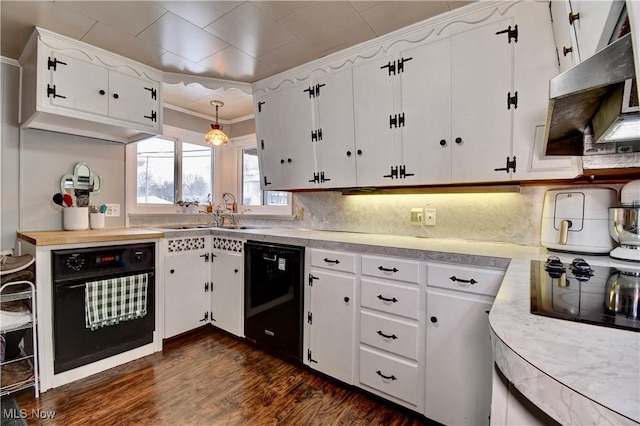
598,295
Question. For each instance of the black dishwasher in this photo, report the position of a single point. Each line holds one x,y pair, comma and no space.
273,296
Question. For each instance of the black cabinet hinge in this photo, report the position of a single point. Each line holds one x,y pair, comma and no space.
510,166
316,178
316,135
51,91
211,316
206,257
314,91
154,92
260,106
323,179
396,120
512,100
266,182
262,144
309,357
206,287
403,172
309,317
153,117
511,33
393,174
395,67
311,278
53,63
206,317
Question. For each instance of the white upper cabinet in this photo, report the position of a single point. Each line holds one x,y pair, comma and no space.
564,36
593,22
71,87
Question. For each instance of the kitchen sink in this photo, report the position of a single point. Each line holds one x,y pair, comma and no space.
186,227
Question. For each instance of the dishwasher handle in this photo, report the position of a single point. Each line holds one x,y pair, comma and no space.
270,259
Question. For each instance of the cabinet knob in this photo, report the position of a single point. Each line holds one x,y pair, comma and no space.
346,299
172,271
348,153
116,96
573,17
359,152
433,319
443,142
458,140
566,50
288,160
282,161
235,271
102,92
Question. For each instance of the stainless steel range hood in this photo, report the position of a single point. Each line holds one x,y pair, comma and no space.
578,93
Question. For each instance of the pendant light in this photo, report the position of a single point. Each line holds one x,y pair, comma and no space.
216,136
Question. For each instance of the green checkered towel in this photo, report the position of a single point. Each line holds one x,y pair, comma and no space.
108,302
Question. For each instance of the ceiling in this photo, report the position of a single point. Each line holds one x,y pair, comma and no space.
243,41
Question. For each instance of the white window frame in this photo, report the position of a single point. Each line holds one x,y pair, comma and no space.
171,133
250,141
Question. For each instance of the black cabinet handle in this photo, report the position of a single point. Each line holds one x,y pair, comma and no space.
386,336
282,161
116,96
383,269
288,160
460,280
346,300
443,142
384,299
331,261
172,271
102,92
573,17
359,152
392,377
433,319
348,153
566,50
458,140
235,271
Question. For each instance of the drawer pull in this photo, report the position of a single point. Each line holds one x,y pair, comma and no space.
384,299
383,269
386,336
331,261
392,377
460,280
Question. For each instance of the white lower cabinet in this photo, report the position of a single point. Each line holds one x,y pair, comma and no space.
227,285
330,322
186,273
459,361
391,329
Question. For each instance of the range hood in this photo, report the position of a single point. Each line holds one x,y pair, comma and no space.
577,95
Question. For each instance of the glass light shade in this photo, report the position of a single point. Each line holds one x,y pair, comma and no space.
216,136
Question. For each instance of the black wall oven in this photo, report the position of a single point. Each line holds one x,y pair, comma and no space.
274,296
75,344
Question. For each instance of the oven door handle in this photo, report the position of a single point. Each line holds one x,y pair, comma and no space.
59,286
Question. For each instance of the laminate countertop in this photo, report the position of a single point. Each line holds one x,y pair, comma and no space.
576,373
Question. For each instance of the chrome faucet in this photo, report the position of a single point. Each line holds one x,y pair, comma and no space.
214,215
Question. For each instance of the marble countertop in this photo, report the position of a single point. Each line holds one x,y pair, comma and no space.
576,373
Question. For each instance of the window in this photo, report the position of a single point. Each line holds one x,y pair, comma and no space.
168,170
252,195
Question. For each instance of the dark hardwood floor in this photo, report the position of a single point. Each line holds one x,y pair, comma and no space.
210,378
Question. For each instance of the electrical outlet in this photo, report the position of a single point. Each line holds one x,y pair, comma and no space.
113,210
429,217
416,215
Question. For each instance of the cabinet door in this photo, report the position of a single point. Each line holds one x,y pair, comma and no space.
331,332
595,24
335,151
426,103
567,51
482,64
186,306
133,99
285,132
79,85
377,145
459,360
227,292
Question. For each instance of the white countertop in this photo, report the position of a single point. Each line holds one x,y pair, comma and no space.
577,373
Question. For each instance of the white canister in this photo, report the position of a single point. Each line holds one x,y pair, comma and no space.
75,218
96,220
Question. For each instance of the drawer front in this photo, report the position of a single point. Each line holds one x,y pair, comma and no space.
465,278
391,268
334,260
389,297
392,335
389,375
